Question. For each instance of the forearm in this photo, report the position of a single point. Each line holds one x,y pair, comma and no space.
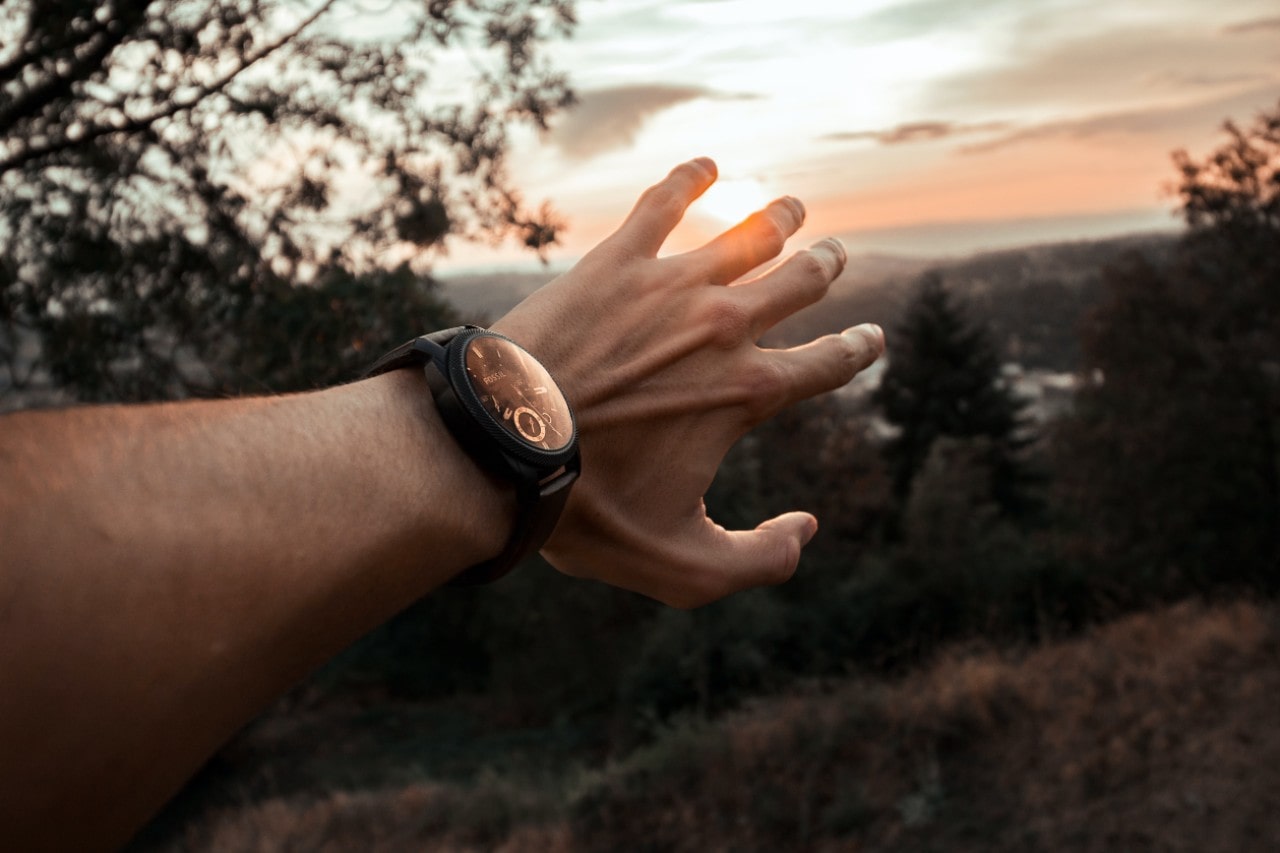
167,570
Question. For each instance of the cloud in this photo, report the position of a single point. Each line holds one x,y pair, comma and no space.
1175,121
916,17
1122,67
919,131
606,119
1254,26
1178,79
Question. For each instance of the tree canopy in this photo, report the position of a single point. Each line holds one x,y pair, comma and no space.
1172,461
186,186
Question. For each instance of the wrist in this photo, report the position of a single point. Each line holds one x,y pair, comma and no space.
453,504
505,412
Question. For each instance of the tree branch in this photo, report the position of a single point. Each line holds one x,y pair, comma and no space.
38,97
20,159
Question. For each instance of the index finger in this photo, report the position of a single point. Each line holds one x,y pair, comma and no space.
662,206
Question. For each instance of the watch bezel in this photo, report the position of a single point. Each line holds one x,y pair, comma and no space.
464,391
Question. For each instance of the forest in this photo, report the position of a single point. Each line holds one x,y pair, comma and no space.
1019,627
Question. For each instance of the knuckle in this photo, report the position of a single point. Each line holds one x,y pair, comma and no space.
662,198
729,322
847,357
764,388
770,236
812,268
786,559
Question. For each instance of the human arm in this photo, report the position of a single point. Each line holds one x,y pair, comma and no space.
167,570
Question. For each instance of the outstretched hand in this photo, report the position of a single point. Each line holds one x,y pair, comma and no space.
659,359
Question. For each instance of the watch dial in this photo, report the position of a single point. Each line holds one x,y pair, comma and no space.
518,392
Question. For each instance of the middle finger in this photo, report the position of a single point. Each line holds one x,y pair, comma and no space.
757,239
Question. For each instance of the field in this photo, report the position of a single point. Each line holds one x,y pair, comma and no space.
1157,731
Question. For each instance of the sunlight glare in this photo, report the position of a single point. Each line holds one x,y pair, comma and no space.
731,200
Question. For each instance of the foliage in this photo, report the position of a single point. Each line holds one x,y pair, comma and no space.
1172,463
183,183
1071,744
944,379
1135,731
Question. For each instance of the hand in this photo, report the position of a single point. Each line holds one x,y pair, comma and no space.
659,360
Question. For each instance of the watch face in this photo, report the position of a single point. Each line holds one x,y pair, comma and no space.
518,392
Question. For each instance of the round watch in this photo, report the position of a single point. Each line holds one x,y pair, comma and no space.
506,411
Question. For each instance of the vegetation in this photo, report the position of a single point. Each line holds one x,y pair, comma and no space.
1172,465
1154,732
944,382
245,195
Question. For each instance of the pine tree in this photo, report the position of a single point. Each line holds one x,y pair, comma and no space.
943,380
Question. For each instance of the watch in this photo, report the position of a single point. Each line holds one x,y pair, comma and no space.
506,411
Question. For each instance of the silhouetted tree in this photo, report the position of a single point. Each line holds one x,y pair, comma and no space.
1172,461
188,186
944,380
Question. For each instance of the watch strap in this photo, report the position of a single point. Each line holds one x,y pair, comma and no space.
539,511
416,351
539,502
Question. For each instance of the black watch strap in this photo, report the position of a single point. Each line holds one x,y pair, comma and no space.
539,502
536,518
411,353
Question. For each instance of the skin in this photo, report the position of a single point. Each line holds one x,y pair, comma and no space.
168,570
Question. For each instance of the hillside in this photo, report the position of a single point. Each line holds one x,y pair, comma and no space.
1154,732
1033,297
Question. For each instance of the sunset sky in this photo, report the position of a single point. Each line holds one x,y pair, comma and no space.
911,126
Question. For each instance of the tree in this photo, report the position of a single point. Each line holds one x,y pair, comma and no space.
188,186
944,380
1172,462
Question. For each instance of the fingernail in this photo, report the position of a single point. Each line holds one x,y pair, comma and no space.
796,205
869,332
835,246
809,532
707,165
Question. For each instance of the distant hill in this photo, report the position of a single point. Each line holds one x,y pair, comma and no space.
484,297
1033,298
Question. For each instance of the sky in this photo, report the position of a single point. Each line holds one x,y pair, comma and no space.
920,127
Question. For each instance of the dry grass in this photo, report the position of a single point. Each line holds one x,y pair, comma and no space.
1160,731
489,815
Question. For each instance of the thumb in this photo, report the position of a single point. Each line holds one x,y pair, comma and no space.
769,554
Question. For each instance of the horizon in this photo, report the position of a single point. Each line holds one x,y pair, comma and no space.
950,241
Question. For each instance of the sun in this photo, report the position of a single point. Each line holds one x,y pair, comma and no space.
733,199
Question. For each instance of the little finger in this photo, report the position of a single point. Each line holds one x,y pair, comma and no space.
829,362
